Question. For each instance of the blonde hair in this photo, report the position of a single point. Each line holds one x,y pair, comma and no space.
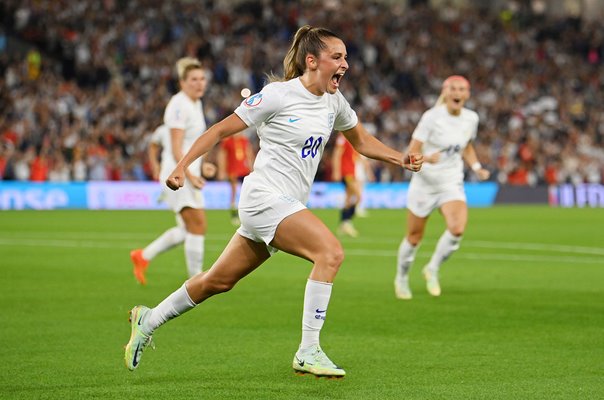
446,83
307,40
186,64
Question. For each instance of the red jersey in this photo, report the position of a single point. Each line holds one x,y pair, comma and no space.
235,148
349,157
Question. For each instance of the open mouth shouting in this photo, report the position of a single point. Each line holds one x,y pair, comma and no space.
336,78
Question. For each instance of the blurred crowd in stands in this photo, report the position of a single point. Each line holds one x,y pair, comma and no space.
83,84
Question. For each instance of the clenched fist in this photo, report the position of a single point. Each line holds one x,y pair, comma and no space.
176,180
413,161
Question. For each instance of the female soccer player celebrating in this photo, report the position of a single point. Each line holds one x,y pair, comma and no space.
294,118
444,133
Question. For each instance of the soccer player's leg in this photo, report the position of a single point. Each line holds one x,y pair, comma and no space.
346,226
406,254
304,235
456,215
239,258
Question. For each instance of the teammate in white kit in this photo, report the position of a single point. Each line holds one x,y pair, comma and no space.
294,118
444,134
184,121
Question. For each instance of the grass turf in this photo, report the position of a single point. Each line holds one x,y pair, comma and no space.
521,315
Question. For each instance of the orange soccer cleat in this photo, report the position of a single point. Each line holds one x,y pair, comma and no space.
140,265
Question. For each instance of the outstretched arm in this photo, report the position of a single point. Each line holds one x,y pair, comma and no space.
225,128
371,147
176,140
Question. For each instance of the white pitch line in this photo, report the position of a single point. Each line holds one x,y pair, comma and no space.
537,247
489,257
76,244
96,235
350,252
108,236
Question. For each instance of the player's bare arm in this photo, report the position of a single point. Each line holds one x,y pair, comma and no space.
177,138
225,128
371,147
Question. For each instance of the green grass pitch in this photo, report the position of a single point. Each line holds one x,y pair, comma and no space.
521,315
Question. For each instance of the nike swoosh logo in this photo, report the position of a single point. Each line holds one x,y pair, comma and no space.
140,320
320,311
294,119
300,362
135,358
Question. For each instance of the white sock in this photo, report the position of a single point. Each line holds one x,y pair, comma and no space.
447,244
316,299
406,255
194,253
172,306
167,240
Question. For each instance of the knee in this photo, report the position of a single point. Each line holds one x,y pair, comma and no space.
336,257
332,258
197,227
194,221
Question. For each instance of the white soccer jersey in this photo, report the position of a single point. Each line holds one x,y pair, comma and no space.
294,126
186,114
448,134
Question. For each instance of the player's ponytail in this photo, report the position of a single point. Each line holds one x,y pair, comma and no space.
292,68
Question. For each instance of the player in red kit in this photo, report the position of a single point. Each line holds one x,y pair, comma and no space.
235,160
